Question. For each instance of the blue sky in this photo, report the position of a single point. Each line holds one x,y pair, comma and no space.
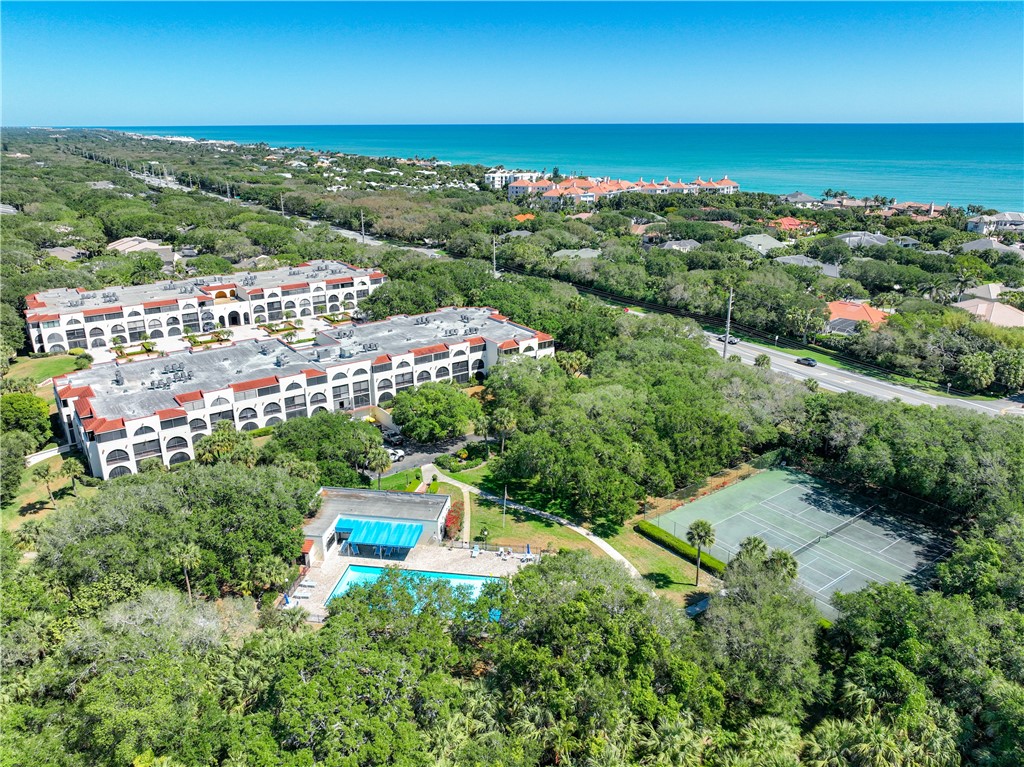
390,63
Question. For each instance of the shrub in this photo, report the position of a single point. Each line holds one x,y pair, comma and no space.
262,432
453,521
680,547
446,463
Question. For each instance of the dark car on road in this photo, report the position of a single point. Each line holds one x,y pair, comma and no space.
809,362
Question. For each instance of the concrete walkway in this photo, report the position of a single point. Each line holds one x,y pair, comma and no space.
602,544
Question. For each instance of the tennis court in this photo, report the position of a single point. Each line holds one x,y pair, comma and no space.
841,541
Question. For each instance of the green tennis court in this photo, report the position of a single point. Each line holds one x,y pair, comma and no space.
841,541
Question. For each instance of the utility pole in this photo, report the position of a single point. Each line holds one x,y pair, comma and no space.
504,505
494,256
362,225
282,203
728,327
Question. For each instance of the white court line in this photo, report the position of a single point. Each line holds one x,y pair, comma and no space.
834,580
882,551
799,517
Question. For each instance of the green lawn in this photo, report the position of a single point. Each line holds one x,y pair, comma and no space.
398,481
42,368
472,476
520,528
669,575
32,500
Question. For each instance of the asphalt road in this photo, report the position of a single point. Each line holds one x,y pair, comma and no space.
417,455
838,380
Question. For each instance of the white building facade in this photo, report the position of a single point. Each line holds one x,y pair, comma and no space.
63,319
121,414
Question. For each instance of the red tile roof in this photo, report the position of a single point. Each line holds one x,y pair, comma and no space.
101,310
256,384
849,310
162,302
295,285
189,396
171,412
509,344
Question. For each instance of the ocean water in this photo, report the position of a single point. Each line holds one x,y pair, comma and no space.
958,163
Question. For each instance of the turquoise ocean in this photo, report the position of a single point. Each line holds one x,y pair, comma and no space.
958,163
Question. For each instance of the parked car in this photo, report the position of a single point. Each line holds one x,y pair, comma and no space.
396,454
808,361
732,339
393,438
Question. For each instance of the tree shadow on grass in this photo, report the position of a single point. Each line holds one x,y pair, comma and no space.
660,580
32,508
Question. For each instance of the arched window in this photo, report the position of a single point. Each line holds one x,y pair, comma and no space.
174,331
318,289
207,316
340,376
117,329
120,471
478,364
458,353
359,372
258,309
95,332
317,399
271,408
385,383
403,364
442,372
247,415
173,321
156,324
98,342
305,312
156,334
289,304
57,348
117,456
177,443
273,421
260,319
134,313
304,302
385,397
334,308
333,298
320,409
219,402
178,458
197,424
118,339
73,322
187,305
55,338
424,375
349,296
250,426
145,430
293,386
526,350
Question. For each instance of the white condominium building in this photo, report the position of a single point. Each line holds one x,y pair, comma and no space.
118,414
66,318
498,178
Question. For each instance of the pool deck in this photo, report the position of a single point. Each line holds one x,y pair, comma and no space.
428,557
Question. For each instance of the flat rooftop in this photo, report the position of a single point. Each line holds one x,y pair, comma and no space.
150,385
381,504
70,299
403,333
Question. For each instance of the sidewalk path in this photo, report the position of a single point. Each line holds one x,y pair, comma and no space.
602,544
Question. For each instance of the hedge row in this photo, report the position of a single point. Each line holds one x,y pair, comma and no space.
680,547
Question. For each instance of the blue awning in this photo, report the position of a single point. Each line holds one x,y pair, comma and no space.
363,532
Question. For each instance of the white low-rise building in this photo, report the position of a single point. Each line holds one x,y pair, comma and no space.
499,178
1000,222
65,318
118,414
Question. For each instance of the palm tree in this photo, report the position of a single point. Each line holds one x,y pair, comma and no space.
378,460
504,422
700,535
781,561
829,744
26,536
72,469
187,556
768,736
43,473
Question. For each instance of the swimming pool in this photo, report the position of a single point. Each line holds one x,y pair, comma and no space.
359,575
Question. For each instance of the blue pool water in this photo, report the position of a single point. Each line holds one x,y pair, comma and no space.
360,575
